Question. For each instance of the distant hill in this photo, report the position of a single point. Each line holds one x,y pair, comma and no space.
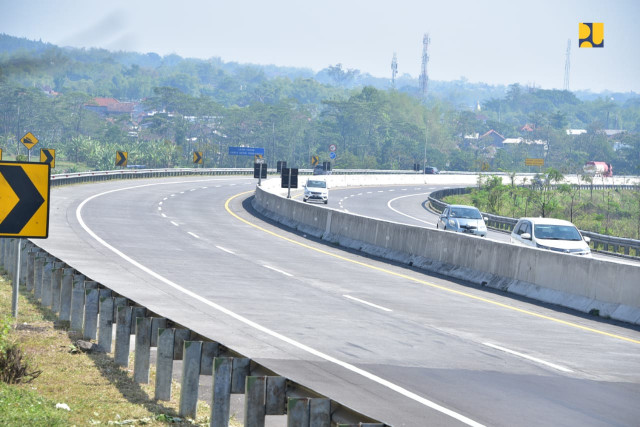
461,94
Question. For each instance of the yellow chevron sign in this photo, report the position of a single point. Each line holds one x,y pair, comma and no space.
121,158
48,156
24,199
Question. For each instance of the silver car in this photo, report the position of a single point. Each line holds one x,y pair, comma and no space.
462,219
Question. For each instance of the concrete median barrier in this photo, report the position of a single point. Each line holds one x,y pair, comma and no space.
585,284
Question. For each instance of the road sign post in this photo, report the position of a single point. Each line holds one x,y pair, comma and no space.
29,140
121,158
260,171
289,179
245,151
48,155
198,158
24,191
24,212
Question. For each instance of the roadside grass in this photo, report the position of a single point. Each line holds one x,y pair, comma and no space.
96,390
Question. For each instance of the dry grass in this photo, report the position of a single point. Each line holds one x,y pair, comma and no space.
96,390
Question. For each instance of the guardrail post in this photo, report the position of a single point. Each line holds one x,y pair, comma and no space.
221,398
46,282
91,298
320,412
105,333
30,271
190,378
181,335
118,302
276,396
239,373
123,336
56,286
38,268
136,311
307,412
77,303
24,260
164,363
210,350
298,412
156,324
65,294
142,350
254,402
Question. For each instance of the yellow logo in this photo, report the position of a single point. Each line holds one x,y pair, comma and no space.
591,34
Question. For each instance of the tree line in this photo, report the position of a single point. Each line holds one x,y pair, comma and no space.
194,105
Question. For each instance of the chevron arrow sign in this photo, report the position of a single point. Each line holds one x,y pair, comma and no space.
121,158
24,200
48,155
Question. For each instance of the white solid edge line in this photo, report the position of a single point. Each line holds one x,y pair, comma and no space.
225,250
531,358
367,303
404,214
193,234
426,402
279,271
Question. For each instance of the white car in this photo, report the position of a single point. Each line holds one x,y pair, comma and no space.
552,234
462,219
316,189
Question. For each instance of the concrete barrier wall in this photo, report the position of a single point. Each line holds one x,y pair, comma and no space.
584,284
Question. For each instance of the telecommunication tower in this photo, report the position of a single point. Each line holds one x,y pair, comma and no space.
424,78
394,70
567,66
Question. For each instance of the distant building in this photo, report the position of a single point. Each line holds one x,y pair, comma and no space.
492,138
612,132
110,106
514,141
528,128
576,131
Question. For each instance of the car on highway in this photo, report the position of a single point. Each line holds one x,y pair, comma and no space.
316,189
320,170
462,219
552,234
431,170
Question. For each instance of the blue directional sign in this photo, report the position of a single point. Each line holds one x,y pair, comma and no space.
332,155
245,151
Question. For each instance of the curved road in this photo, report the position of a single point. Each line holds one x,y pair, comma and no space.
394,343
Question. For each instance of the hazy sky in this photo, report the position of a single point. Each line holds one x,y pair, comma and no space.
493,41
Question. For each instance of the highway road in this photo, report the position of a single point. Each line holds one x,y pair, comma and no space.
399,345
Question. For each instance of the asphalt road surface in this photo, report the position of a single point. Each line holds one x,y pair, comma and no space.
399,345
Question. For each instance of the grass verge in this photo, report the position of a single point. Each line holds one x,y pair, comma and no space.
95,390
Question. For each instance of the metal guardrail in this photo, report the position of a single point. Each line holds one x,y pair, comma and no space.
618,246
294,400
